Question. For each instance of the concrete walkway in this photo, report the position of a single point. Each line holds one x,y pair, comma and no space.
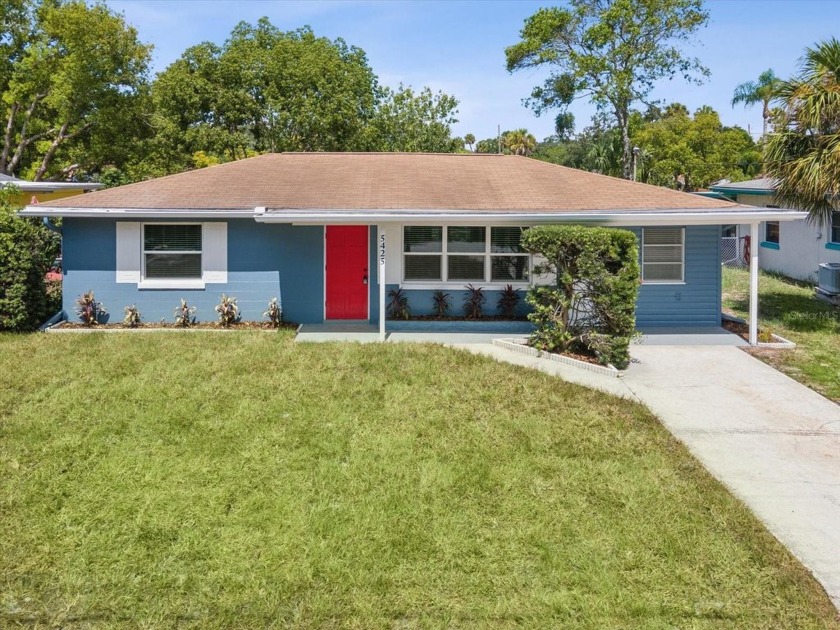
773,442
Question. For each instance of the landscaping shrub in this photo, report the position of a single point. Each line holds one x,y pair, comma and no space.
27,249
508,301
132,316
441,303
398,304
228,311
185,314
88,309
274,313
474,302
591,307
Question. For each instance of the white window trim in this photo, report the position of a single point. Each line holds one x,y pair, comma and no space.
170,283
682,260
445,282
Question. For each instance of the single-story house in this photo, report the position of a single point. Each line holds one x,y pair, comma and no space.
330,233
39,192
795,249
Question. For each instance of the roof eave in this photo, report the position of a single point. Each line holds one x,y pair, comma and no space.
624,218
698,216
39,210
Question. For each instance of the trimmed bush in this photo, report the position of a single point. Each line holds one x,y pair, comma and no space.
591,306
27,249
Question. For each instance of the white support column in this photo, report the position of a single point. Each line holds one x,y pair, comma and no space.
381,247
754,244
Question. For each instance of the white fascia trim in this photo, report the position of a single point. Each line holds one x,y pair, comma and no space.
49,186
134,213
626,218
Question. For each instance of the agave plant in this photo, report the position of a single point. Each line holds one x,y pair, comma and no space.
441,302
228,311
474,302
508,301
398,304
88,309
274,313
185,314
132,316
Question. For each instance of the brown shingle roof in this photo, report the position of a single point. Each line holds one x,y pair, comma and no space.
392,181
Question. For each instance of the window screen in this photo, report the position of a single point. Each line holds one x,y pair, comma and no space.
663,254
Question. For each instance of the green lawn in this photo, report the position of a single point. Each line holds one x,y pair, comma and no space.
242,481
788,308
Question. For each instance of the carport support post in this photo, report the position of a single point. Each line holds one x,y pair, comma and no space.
380,242
754,284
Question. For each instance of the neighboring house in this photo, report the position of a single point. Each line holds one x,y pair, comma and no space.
794,249
41,192
330,233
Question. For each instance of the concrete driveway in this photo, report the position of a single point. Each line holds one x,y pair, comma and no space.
773,442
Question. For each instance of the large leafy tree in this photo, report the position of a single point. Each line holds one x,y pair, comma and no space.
409,121
73,86
803,152
689,152
270,90
761,91
611,51
263,90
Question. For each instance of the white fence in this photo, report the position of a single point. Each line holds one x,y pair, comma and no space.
732,251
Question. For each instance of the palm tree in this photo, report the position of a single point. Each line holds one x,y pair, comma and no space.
803,153
470,140
762,91
520,142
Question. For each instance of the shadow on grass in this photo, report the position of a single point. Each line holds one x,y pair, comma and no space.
797,310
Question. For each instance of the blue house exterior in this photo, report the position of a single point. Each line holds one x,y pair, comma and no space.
256,245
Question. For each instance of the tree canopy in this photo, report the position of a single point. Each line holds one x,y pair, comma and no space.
803,152
611,51
73,78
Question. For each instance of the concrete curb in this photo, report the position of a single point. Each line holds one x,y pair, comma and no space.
519,346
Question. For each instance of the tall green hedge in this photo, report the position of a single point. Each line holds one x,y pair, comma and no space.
27,249
590,306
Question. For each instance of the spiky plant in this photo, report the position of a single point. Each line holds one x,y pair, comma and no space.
132,316
185,314
441,303
398,307
88,309
228,311
508,301
474,302
274,313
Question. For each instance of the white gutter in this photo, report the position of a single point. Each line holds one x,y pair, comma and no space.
24,186
626,218
135,213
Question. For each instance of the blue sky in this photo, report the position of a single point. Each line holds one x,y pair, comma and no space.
458,47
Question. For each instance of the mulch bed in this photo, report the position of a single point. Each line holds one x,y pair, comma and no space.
743,331
169,326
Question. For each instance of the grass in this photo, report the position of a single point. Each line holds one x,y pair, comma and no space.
788,308
240,481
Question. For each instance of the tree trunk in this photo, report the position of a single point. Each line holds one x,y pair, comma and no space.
24,141
7,139
50,154
765,114
626,150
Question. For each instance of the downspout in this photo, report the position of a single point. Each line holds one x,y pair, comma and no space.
60,316
51,226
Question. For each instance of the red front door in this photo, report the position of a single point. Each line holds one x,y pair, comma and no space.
347,271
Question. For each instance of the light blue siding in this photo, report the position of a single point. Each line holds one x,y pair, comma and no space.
264,261
268,260
695,303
